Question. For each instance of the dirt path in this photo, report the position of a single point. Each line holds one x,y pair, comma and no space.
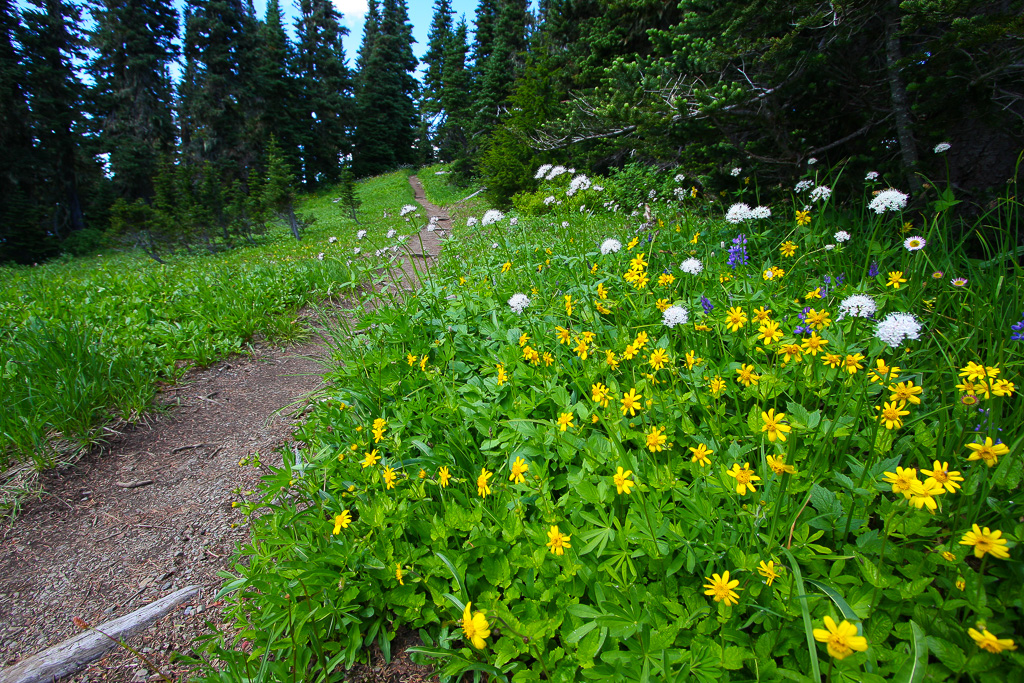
98,545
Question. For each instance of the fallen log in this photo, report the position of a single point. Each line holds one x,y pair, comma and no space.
75,652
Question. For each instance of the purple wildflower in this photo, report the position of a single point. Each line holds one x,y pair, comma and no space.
706,303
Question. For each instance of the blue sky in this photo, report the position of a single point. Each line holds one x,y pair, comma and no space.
354,11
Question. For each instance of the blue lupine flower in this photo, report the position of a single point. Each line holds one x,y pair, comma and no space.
706,303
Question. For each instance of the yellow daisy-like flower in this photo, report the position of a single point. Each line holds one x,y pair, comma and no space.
399,574
658,359
813,294
761,314
662,304
622,481
802,218
523,338
941,475
443,477
769,332
389,478
902,480
735,318
833,360
774,425
557,541
506,266
631,402
601,308
519,468
700,454
568,304
895,279
1002,387
717,386
482,482
787,248
411,358
778,465
370,459
563,334
922,494
905,392
582,348
892,414
666,279
722,589
987,641
600,394
744,477
819,320
423,368
656,439
841,639
610,359
602,293
342,521
691,360
791,351
985,542
813,344
852,363
746,375
475,627
564,421
641,340
973,371
882,372
769,571
987,451
502,377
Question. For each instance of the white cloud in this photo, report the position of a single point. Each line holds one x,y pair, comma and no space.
354,10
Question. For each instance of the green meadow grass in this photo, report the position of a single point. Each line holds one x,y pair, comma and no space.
84,340
589,487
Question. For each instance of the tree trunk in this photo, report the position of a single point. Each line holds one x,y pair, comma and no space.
898,92
293,223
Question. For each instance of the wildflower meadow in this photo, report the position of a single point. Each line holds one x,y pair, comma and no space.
702,436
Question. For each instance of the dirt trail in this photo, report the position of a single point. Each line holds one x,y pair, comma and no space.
97,545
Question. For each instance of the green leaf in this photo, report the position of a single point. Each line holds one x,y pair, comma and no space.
914,669
805,610
455,573
844,607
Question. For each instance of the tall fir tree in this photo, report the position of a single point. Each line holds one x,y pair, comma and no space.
438,38
52,44
503,63
278,86
224,106
326,91
385,111
456,99
20,225
134,41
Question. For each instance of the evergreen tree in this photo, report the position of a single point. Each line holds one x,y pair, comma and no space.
438,38
326,88
51,45
20,226
385,110
134,42
502,65
278,86
223,102
456,99
347,192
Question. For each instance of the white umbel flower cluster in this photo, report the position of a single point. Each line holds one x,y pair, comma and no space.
692,266
391,233
739,213
675,315
518,302
895,328
841,236
803,186
611,246
888,200
361,234
407,209
735,172
492,217
858,306
542,171
872,175
821,193
942,147
556,171
580,182
471,221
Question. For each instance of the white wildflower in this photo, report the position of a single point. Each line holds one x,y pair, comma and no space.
888,200
803,186
679,178
821,193
675,315
872,175
518,302
738,213
897,327
580,182
829,247
610,246
361,234
408,208
858,306
565,224
541,171
356,251
555,172
812,161
652,194
320,256
598,188
942,147
391,233
735,172
514,220
915,243
332,240
471,221
841,236
549,199
692,266
760,212
492,216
